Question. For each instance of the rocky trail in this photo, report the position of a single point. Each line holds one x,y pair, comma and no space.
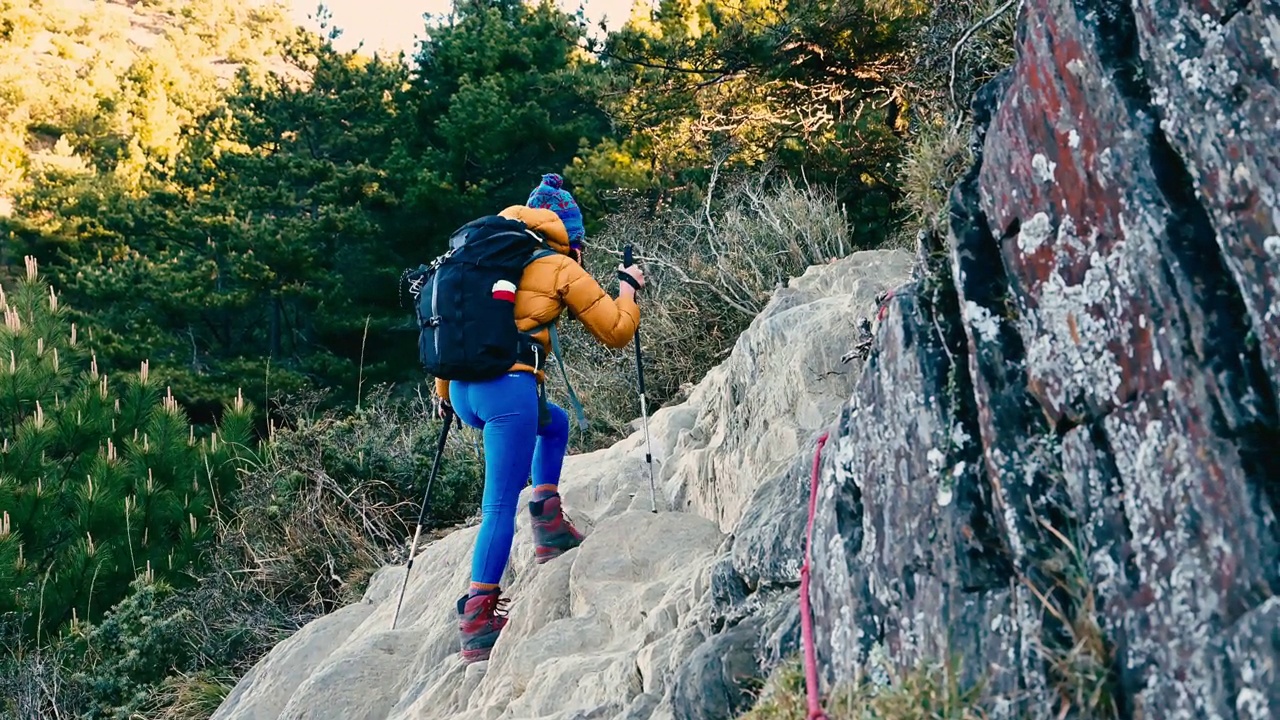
618,627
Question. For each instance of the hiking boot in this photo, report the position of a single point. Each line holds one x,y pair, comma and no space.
481,616
553,535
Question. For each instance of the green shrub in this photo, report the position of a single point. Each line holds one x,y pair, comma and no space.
102,480
161,653
123,656
930,691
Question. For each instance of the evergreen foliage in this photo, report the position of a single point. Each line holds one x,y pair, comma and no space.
808,84
241,209
102,479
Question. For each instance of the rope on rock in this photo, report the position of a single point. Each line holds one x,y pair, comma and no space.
806,617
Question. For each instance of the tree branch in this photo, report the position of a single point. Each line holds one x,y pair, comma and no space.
955,49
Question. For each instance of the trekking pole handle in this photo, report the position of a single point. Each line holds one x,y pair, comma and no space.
628,260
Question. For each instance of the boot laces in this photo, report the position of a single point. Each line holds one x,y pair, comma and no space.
495,607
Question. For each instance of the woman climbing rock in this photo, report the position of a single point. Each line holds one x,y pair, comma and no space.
507,410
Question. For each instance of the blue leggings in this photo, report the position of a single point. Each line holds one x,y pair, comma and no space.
506,409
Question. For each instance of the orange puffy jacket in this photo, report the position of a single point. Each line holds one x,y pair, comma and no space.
552,283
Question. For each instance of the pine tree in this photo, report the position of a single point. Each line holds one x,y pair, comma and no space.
102,480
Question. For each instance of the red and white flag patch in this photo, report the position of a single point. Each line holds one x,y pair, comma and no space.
503,290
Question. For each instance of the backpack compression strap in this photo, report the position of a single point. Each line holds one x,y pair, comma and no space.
579,414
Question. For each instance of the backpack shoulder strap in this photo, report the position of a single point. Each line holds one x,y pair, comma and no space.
541,252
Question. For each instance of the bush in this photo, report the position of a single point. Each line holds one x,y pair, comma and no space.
328,501
709,272
36,680
160,653
336,497
931,691
101,481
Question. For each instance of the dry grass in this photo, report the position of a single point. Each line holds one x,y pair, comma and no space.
35,683
938,152
336,497
937,157
708,272
187,697
929,692
1077,653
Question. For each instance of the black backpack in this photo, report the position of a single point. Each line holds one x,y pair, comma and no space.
465,304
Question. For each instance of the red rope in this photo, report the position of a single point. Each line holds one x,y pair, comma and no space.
806,619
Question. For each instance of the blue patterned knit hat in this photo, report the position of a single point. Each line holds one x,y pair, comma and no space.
549,195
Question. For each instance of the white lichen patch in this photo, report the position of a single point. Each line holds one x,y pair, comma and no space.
1068,238
879,668
982,321
1272,246
1073,139
1071,330
1034,232
1271,40
936,460
1253,705
1044,167
1183,543
946,491
947,485
1106,167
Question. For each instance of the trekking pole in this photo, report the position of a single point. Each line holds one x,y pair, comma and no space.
627,261
422,511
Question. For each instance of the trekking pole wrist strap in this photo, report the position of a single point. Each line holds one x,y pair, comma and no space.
624,277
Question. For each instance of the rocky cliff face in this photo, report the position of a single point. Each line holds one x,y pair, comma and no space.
1067,436
1059,462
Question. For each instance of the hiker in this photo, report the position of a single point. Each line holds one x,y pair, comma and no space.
507,409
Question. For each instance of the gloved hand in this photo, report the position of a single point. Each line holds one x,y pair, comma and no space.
443,408
632,278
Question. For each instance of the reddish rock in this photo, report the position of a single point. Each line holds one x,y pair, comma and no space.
1115,279
913,570
1179,549
1112,352
1214,69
